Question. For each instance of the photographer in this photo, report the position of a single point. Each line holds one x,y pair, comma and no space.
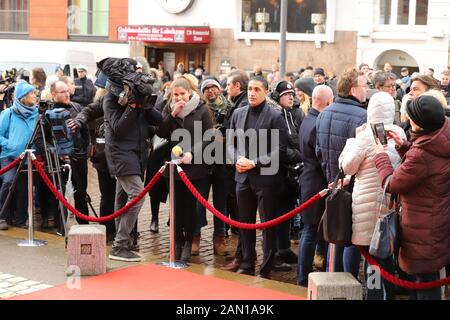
128,115
16,127
78,157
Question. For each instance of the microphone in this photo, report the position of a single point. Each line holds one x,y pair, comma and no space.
177,151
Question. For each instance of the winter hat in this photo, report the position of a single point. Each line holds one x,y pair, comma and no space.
306,85
22,89
319,71
284,87
427,113
208,83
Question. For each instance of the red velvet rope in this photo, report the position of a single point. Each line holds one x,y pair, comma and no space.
80,215
10,166
243,225
400,282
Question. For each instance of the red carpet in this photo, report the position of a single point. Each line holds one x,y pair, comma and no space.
154,282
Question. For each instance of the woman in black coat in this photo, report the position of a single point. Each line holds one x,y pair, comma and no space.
186,110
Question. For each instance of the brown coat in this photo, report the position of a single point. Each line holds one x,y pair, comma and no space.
423,183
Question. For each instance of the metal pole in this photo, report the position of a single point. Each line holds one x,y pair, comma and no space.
283,27
172,263
30,242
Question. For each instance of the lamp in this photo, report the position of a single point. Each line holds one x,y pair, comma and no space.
318,19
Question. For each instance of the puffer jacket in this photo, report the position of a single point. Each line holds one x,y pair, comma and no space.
422,181
357,159
334,126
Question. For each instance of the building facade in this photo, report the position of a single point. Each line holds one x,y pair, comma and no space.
405,33
245,33
60,32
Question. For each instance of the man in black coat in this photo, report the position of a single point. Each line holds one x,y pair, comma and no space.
257,171
126,132
84,88
312,181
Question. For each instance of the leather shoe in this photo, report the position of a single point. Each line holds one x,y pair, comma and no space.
233,266
246,271
154,228
264,276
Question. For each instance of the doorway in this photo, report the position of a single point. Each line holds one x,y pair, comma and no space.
191,56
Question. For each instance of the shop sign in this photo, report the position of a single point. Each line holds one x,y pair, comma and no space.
164,34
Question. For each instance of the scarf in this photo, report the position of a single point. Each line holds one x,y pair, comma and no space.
190,106
25,111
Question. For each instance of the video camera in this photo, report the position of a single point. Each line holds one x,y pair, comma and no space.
45,105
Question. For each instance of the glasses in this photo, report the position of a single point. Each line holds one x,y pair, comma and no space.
389,86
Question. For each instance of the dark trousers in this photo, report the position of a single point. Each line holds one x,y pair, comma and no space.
285,204
185,212
249,200
107,186
79,181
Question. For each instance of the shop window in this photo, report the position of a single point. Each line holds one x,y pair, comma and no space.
88,18
304,16
14,16
403,12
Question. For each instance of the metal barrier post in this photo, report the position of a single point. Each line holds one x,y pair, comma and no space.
172,263
31,242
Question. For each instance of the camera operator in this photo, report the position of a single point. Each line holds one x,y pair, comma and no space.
128,115
16,127
78,159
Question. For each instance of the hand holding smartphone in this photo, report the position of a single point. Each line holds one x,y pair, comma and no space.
379,132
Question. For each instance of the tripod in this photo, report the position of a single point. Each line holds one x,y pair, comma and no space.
53,167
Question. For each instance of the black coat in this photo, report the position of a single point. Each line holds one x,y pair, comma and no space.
126,133
170,124
84,91
269,119
312,179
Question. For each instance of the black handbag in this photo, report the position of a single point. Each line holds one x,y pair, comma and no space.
337,217
384,239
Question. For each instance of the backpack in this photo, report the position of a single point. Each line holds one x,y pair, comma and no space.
57,119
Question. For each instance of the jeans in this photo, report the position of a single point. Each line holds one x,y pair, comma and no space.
127,188
306,251
377,287
20,194
346,259
429,294
216,180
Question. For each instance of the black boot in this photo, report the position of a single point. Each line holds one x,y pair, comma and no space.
178,249
154,227
187,252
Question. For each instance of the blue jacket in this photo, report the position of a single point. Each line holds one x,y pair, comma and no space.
15,132
334,126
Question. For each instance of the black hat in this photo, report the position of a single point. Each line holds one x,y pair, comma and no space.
319,71
427,113
305,85
284,87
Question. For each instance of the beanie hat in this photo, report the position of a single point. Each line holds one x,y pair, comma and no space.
22,89
208,83
284,87
319,71
305,85
427,113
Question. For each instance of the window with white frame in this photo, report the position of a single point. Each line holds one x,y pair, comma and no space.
88,18
403,12
14,16
304,16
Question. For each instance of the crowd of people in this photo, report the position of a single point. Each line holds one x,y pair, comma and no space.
310,127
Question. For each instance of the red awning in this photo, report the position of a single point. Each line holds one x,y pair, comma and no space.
165,34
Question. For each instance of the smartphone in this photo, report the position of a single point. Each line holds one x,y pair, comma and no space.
379,132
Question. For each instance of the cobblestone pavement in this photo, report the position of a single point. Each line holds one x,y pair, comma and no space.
157,245
10,285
